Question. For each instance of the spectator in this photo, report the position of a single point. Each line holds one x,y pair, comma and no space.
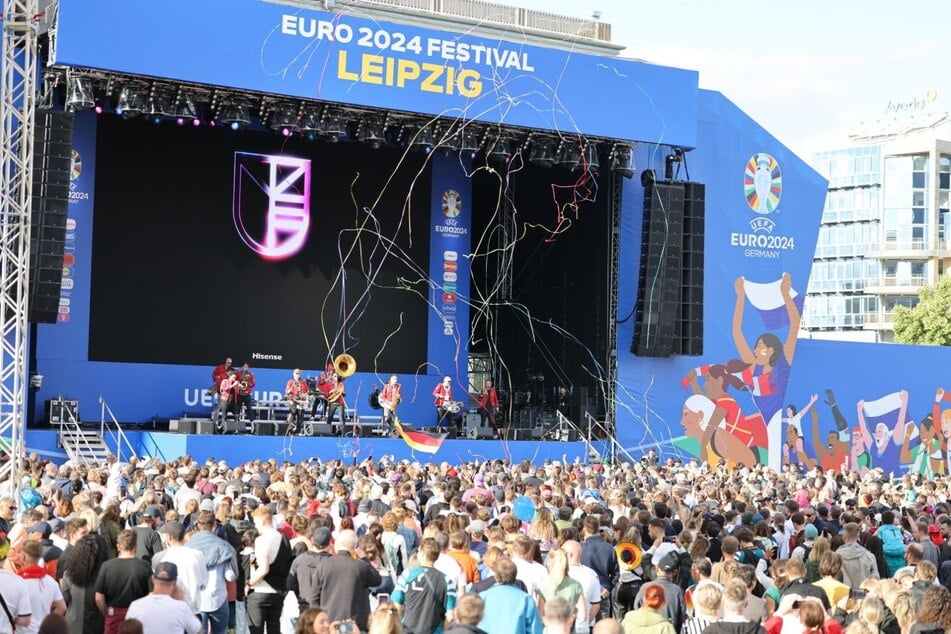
530,572
164,609
558,616
649,618
79,570
221,567
796,572
829,569
426,594
707,601
148,541
121,581
735,600
45,595
560,584
313,621
342,583
15,594
508,610
858,564
467,615
673,607
598,555
386,620
271,563
192,571
301,577
590,586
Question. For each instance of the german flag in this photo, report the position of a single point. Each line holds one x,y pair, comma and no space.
420,440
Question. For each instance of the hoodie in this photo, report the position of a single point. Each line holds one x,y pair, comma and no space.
858,564
647,621
733,627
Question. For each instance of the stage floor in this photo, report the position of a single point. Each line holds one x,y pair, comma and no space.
242,448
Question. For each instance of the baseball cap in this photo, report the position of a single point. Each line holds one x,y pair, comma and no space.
153,511
56,525
747,518
42,528
934,531
668,563
174,529
811,532
166,571
477,527
207,505
321,536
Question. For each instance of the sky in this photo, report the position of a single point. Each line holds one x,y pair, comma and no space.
807,71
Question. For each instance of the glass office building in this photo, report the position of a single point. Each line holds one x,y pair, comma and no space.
885,231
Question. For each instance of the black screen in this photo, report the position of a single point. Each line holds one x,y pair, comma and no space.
173,282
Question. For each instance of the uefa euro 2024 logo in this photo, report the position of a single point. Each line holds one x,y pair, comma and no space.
763,187
272,196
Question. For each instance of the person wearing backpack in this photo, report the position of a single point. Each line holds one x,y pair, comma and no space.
893,544
267,583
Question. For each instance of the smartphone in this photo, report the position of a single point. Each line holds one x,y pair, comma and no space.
383,598
857,593
345,628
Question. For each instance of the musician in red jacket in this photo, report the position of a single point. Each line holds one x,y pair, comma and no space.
488,402
445,405
325,383
336,402
228,400
246,389
296,392
218,374
390,398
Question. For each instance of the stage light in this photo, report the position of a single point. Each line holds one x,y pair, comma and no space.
284,119
542,154
334,127
592,163
622,161
310,123
569,156
234,114
372,133
500,151
422,140
97,109
79,94
159,106
470,141
186,109
130,102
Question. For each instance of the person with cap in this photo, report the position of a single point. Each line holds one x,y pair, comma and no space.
477,543
858,564
121,581
15,602
221,566
426,595
42,532
165,609
342,583
809,535
300,578
45,594
674,606
192,571
148,541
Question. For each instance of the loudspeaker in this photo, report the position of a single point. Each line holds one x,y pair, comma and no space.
659,276
688,335
235,426
205,427
263,428
521,434
52,161
322,429
182,426
57,411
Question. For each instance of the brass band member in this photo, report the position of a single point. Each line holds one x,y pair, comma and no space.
336,402
444,402
296,392
390,398
218,374
246,389
488,402
228,400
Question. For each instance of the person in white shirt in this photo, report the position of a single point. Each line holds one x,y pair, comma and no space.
164,610
15,595
192,568
221,564
187,492
446,564
529,572
266,602
45,595
588,579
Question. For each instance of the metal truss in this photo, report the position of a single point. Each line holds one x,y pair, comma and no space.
614,253
18,72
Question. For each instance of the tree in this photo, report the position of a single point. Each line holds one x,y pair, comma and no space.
928,323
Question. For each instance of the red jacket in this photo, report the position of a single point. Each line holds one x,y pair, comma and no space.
296,389
219,374
490,399
443,394
246,377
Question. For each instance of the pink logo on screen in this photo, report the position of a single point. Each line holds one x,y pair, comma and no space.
284,216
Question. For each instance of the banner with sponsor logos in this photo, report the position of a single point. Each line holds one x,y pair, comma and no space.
341,57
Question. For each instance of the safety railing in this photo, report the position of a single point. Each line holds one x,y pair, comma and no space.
72,437
115,430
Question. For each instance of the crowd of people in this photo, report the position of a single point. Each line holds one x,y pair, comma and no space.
388,546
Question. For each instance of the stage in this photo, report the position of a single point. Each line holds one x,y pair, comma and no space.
236,449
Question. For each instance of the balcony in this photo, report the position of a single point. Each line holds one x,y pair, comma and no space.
908,250
883,320
895,285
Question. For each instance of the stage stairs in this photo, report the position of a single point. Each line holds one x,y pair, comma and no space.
90,446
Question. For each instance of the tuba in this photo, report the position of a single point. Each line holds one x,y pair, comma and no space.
344,366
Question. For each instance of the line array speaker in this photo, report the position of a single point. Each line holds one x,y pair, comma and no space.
52,158
688,335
